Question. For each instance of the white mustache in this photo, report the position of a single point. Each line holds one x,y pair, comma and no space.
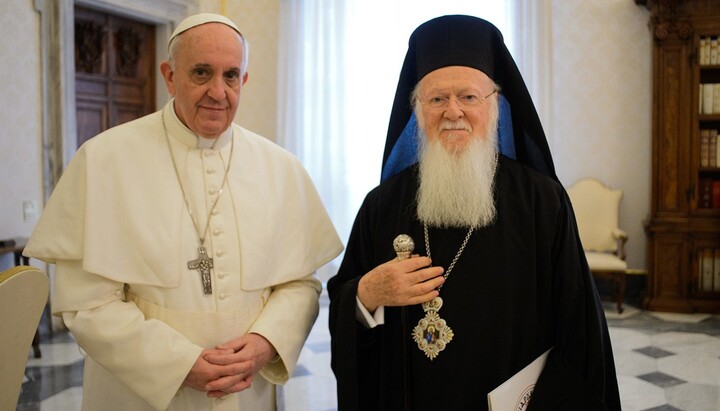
455,125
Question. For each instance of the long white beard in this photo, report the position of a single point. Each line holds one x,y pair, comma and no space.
456,189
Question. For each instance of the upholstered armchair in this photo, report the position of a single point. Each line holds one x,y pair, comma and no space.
597,210
23,295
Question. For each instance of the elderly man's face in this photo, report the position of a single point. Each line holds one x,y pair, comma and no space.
461,118
205,78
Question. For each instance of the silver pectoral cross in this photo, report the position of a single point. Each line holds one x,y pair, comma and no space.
203,264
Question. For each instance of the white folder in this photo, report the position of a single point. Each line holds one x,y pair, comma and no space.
514,394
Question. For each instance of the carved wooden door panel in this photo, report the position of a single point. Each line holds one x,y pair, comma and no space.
114,71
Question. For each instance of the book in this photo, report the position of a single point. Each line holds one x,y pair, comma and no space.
700,98
717,148
706,54
704,148
716,194
716,99
705,193
707,93
714,51
703,51
515,393
712,148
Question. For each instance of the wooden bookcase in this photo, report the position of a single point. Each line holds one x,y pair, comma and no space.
683,229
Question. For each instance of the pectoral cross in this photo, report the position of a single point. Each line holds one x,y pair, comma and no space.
203,264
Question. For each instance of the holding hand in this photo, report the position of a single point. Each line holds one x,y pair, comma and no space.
399,283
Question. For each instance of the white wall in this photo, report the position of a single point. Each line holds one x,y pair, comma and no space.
20,142
601,124
601,94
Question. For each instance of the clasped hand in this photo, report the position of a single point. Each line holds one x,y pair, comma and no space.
400,282
230,367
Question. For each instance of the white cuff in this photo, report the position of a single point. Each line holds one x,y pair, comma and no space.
367,319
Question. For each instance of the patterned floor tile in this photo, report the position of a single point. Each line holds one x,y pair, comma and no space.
654,352
663,364
661,379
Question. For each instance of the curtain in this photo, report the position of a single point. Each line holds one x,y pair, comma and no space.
310,100
339,64
530,24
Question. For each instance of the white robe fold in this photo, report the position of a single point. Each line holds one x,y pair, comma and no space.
119,231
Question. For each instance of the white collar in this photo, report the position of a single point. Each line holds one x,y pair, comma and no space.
180,132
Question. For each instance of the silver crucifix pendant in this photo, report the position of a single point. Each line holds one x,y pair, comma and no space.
203,264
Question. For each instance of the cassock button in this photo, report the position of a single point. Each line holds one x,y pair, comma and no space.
210,171
212,191
219,253
118,293
217,231
224,296
222,274
214,211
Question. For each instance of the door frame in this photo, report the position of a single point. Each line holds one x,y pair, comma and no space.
57,68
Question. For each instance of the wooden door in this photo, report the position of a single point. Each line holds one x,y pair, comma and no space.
114,71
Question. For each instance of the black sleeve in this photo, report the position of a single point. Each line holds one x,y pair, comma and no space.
348,336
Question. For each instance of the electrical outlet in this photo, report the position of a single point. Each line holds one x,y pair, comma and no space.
30,210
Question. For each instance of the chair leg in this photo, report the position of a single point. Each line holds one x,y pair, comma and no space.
619,280
617,285
621,292
36,345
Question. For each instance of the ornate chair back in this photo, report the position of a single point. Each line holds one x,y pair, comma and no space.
23,295
597,211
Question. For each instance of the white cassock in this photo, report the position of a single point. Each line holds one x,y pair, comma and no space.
121,237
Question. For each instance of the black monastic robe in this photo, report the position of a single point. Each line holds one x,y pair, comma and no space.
520,287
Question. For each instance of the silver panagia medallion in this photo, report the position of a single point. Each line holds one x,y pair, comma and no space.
432,333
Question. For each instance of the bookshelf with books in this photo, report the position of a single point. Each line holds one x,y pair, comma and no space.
708,122
683,229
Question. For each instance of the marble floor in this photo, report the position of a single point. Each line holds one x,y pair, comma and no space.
665,362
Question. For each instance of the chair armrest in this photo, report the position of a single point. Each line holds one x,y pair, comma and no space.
619,233
621,236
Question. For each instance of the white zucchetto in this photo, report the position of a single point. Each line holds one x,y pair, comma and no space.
199,19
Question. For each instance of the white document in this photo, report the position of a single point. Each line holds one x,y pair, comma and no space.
514,394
